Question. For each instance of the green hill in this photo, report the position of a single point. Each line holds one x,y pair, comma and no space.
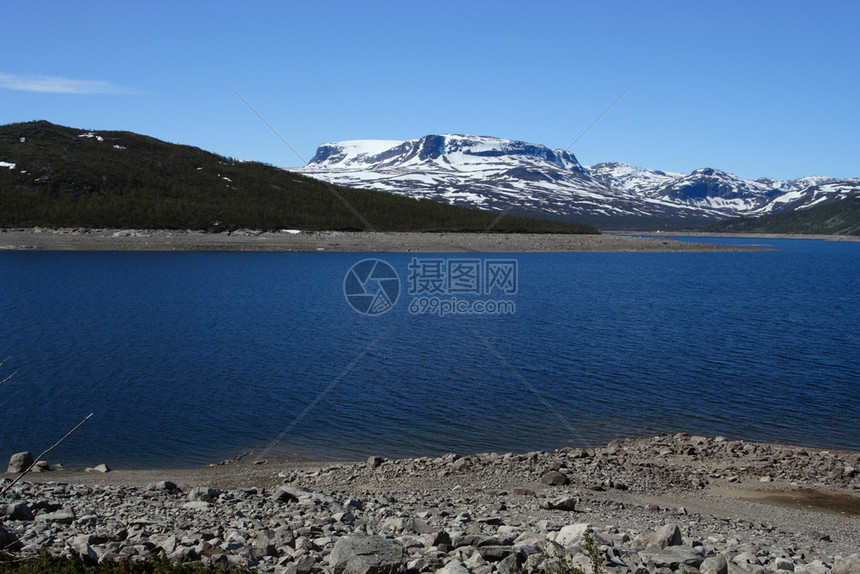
69,177
840,217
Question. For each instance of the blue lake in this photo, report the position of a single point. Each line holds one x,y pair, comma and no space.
190,358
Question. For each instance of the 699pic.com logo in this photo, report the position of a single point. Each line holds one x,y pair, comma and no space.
371,287
437,286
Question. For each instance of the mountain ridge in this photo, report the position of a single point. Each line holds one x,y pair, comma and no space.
497,173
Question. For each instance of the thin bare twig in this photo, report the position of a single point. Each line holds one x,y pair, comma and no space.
9,377
38,458
3,362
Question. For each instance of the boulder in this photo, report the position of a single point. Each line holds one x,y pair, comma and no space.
103,468
512,564
850,565
566,503
571,534
357,554
746,558
197,505
202,493
8,540
554,478
668,535
283,494
60,517
287,493
495,553
164,485
19,462
675,557
453,567
18,511
717,563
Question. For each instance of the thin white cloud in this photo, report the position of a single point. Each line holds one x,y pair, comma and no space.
55,85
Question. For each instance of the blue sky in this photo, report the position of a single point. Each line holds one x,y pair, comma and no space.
753,88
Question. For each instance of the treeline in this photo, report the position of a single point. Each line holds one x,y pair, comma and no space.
73,178
840,217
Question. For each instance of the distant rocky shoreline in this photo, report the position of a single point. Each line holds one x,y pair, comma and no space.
85,239
672,503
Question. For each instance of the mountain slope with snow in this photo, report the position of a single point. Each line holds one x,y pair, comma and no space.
495,173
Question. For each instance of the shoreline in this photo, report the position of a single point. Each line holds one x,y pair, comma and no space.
248,461
730,499
749,235
82,239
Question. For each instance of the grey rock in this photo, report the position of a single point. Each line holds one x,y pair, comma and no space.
745,559
183,554
202,493
668,535
511,564
287,493
717,563
8,540
495,553
441,537
554,478
343,517
164,485
103,468
169,544
283,494
356,554
18,511
375,461
454,567
784,564
566,503
197,505
850,565
674,557
19,462
475,539
303,565
85,551
60,517
571,534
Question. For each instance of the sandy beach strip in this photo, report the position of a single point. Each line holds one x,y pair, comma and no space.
64,239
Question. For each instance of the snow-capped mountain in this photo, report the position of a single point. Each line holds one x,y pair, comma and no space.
495,173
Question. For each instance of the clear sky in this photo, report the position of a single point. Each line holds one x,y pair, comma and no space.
756,88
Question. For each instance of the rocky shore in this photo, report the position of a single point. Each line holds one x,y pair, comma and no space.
84,239
651,506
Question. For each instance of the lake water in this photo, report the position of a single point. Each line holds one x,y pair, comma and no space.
190,358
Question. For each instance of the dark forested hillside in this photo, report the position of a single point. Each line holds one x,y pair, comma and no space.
58,176
840,217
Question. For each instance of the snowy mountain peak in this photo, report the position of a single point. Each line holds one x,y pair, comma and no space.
626,177
497,173
464,151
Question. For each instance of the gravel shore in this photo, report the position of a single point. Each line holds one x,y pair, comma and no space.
666,504
83,239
